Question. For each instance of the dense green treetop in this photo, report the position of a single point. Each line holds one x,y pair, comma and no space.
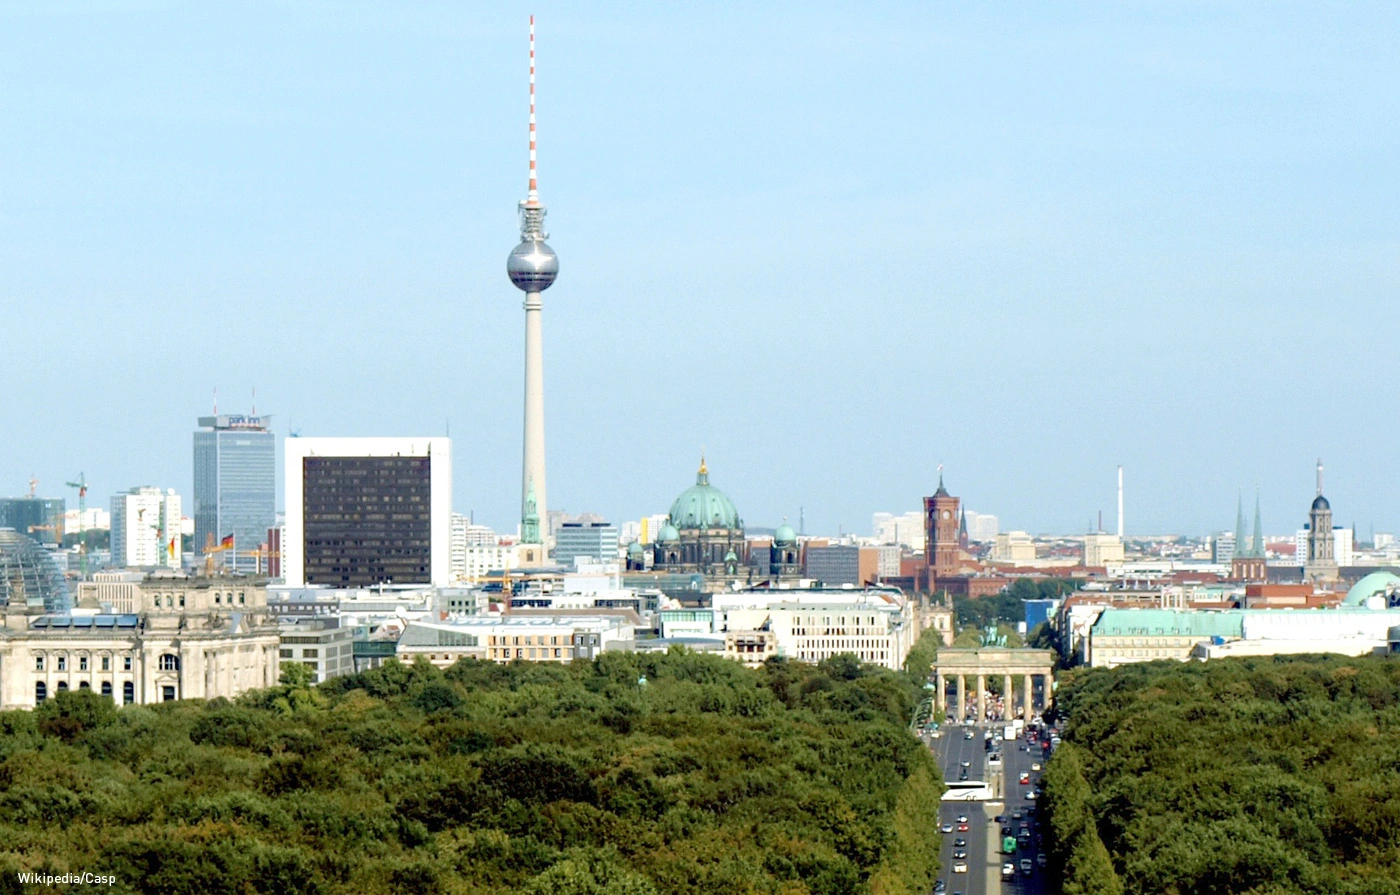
1270,775
707,778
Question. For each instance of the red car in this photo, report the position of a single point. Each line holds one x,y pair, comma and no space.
962,828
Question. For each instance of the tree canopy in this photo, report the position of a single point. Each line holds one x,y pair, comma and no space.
486,779
1270,776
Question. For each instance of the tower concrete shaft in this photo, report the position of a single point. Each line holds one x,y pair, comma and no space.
532,473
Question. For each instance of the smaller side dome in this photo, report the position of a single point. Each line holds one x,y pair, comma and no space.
669,535
785,536
634,549
1320,503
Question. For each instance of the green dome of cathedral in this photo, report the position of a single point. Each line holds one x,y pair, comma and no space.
785,536
703,505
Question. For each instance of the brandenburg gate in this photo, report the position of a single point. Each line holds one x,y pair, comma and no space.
979,663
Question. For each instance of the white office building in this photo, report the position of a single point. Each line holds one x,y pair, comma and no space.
146,529
476,562
906,530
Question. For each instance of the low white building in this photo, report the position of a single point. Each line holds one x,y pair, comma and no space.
507,638
321,644
1101,549
187,639
1013,547
875,624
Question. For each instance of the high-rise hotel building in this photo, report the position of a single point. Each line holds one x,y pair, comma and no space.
235,487
367,511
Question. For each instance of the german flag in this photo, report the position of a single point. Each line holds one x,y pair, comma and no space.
226,543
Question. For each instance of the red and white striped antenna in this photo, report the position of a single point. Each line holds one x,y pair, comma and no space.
534,196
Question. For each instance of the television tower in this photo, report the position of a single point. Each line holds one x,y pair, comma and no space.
532,267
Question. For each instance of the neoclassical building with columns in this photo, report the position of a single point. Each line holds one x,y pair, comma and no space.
150,640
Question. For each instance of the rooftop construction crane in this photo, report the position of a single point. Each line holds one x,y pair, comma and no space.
81,485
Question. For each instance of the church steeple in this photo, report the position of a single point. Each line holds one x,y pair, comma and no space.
1256,549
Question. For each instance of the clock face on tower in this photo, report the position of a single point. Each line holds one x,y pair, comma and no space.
946,514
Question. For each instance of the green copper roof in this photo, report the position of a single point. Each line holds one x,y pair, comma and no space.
1127,622
704,506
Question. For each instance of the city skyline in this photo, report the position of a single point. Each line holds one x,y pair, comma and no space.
1151,284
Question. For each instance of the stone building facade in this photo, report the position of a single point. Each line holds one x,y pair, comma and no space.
186,639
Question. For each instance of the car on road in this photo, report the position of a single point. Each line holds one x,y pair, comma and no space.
965,763
967,734
940,887
1026,866
1017,814
962,828
1030,795
960,867
946,828
962,775
960,842
1008,870
1025,777
1036,766
1040,860
959,855
962,818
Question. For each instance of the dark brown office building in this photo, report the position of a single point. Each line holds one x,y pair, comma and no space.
367,520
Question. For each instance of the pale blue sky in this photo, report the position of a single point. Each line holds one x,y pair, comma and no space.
833,244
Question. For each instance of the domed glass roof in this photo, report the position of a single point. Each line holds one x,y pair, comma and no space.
704,506
1374,584
29,575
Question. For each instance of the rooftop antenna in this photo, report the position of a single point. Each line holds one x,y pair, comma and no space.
1120,501
254,411
533,197
216,400
1319,476
33,485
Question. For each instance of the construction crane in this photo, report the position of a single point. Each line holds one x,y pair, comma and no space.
56,528
81,485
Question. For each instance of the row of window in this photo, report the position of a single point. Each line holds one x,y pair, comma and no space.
863,655
524,653
41,691
170,601
167,662
531,640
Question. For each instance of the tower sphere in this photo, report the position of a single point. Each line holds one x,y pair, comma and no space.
532,266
